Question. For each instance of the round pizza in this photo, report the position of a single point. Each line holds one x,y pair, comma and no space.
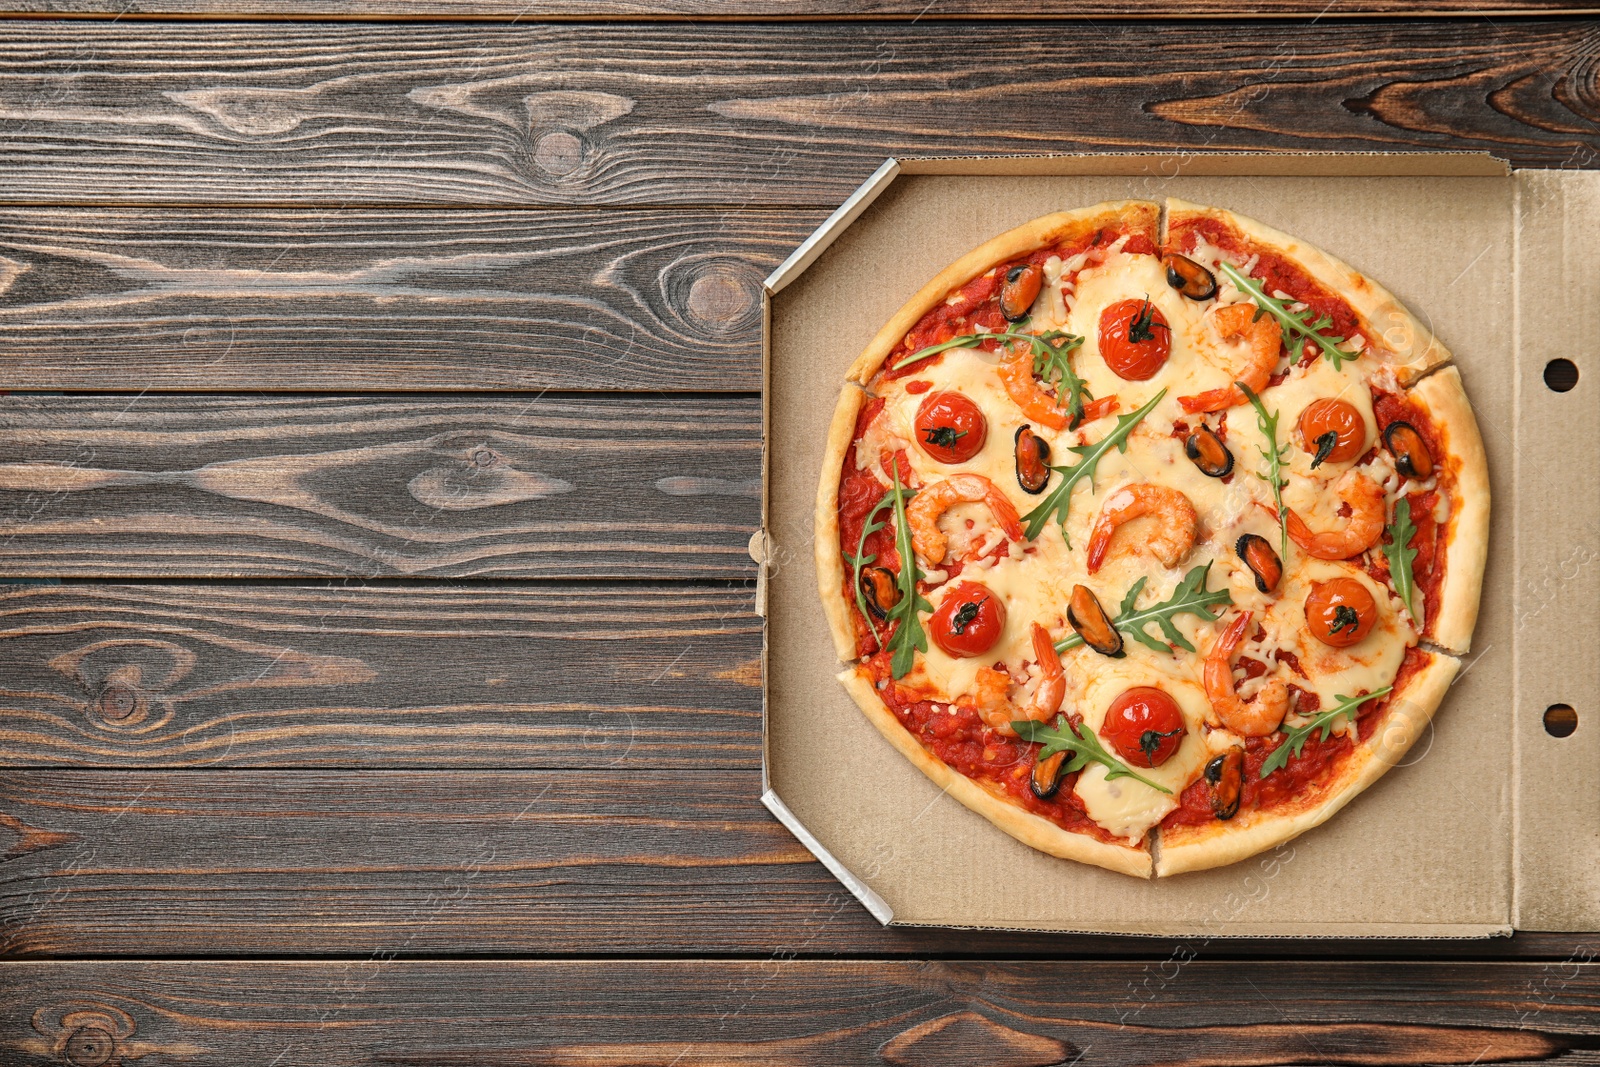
1152,534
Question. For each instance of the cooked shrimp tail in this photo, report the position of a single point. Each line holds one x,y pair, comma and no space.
1262,713
1174,532
925,509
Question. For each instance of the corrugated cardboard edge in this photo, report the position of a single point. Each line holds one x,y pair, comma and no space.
1311,164
1234,931
832,227
1266,164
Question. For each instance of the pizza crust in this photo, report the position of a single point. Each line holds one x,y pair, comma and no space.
1132,215
1025,826
1403,343
1217,844
1466,545
825,539
1397,335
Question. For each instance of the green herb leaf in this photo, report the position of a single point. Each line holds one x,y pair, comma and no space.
1326,443
1190,598
1084,746
1275,455
1301,325
909,638
871,526
1053,367
1344,617
966,340
1296,739
1060,498
1143,327
1399,554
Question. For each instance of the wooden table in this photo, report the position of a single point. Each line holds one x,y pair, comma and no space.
380,681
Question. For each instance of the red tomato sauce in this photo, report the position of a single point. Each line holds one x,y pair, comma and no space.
978,302
859,492
1304,777
1427,569
968,746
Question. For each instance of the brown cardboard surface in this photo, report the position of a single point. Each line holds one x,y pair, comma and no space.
1257,164
1557,555
1425,852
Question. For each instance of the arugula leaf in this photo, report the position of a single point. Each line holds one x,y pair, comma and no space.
1084,746
1297,736
861,559
909,638
1050,362
1060,498
1190,598
966,340
1275,457
1400,555
1295,322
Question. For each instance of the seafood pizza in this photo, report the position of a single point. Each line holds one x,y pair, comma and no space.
1152,534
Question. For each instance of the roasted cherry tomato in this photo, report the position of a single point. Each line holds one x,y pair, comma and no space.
950,428
1340,612
968,620
1145,726
1341,420
1134,339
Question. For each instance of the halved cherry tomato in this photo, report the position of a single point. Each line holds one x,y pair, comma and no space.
950,428
968,620
1337,417
1134,339
1145,726
1340,612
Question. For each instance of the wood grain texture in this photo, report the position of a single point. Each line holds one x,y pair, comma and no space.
590,10
619,861
735,114
380,301
536,676
793,1012
576,487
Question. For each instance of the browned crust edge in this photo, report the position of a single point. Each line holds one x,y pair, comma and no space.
1400,337
1466,545
1407,716
1032,830
825,538
1045,230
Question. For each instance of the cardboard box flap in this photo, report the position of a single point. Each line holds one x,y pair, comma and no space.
1557,609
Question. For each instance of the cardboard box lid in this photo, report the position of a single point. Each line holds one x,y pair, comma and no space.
1442,231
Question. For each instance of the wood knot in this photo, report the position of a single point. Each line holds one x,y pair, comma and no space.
558,153
719,298
89,1046
484,457
120,702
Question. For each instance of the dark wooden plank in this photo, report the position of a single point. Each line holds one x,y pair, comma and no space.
586,486
590,10
531,676
621,861
378,301
791,1012
739,114
307,862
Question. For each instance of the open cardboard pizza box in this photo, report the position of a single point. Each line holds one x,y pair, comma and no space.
1490,823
